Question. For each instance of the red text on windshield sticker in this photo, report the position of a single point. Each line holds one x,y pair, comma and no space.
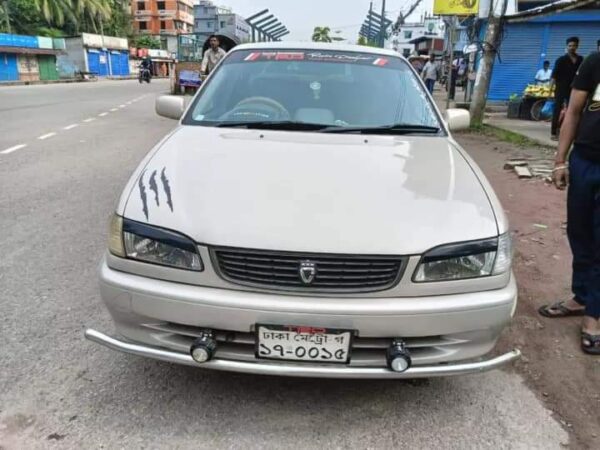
275,56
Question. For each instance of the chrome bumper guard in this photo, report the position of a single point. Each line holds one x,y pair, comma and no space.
299,369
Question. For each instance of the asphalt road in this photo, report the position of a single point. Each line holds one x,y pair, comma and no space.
58,390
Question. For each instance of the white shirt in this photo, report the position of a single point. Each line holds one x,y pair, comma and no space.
543,76
211,58
430,71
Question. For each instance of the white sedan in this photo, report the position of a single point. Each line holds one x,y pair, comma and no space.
311,215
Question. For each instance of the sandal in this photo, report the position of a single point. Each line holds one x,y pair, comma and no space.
559,309
590,343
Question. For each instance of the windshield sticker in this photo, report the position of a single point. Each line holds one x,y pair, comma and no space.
317,56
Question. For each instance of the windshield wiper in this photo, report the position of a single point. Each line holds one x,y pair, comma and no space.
398,128
275,125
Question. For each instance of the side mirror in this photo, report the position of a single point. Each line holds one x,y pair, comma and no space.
457,119
170,106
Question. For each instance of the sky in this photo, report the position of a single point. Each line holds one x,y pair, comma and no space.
301,16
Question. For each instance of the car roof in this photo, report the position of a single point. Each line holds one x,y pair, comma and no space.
317,46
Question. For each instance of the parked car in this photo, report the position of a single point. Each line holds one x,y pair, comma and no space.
311,215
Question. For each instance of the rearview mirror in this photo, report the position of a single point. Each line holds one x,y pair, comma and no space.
457,119
170,106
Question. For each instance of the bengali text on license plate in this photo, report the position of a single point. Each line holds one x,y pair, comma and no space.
303,343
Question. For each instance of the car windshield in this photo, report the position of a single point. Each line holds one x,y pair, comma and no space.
311,90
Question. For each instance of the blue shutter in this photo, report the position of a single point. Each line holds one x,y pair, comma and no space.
8,67
124,63
93,57
520,56
115,64
587,32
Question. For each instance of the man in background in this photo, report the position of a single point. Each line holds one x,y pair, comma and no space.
544,75
212,56
430,73
563,75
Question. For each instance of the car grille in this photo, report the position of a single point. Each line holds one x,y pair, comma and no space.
281,270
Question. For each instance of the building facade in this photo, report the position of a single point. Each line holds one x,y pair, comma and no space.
403,41
210,19
163,17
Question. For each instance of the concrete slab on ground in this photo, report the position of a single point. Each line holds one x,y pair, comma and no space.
536,131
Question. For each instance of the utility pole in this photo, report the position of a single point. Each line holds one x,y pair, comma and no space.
383,27
450,27
491,42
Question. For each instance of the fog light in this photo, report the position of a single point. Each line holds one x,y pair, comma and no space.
203,348
398,356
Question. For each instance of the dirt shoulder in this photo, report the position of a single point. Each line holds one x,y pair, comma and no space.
565,378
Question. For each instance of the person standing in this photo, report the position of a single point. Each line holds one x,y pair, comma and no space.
564,72
430,73
582,175
212,56
544,75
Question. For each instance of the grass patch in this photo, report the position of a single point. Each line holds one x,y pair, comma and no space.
505,136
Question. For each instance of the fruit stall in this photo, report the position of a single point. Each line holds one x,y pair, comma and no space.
532,105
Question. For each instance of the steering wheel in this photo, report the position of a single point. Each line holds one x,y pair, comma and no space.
257,108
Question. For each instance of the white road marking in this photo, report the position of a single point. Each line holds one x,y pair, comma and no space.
128,103
114,109
13,149
46,136
122,106
89,119
70,127
102,114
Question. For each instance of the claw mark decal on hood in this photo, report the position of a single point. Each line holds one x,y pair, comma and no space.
154,187
165,182
143,194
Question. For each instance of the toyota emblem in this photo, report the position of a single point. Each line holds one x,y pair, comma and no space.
307,271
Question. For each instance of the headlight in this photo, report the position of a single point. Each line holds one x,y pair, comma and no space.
153,245
466,260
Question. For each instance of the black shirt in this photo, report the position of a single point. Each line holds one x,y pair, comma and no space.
588,133
564,72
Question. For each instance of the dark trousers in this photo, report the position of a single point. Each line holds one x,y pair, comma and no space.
583,229
560,97
430,84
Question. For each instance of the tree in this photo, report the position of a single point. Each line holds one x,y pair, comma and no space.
321,34
56,12
146,41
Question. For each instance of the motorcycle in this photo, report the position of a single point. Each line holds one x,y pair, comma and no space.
144,75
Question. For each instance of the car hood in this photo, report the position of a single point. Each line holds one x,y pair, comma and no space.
312,192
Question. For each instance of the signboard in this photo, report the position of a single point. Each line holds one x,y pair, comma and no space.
455,7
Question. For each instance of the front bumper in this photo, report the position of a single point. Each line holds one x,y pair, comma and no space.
160,319
302,370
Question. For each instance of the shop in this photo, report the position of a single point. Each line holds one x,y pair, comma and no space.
527,45
28,58
99,55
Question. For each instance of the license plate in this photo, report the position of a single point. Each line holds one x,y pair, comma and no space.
298,343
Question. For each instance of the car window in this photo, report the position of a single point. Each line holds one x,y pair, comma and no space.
320,87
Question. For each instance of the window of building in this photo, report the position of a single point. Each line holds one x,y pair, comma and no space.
408,35
163,25
406,52
143,25
209,25
141,6
222,24
160,5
